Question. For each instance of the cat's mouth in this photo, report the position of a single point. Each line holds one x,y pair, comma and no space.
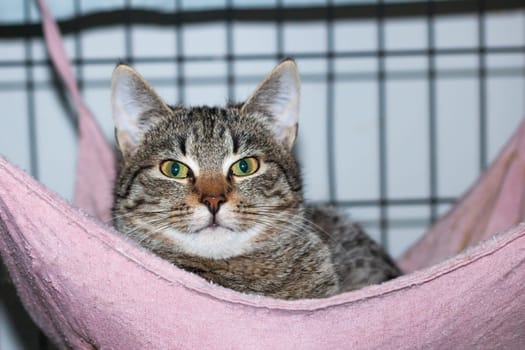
213,227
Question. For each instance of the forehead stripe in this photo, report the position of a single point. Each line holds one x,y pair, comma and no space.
235,143
182,144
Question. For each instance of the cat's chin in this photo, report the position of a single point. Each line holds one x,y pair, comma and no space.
214,241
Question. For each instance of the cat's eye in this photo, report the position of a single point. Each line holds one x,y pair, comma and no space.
174,169
245,166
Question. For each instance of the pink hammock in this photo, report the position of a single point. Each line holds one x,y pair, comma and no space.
88,287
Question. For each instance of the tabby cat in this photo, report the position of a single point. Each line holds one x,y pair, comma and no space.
217,191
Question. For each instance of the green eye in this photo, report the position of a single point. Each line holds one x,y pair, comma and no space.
245,166
174,169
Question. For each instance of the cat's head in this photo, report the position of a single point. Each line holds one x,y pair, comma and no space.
209,180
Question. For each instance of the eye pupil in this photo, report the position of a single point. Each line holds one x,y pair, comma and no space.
243,166
175,169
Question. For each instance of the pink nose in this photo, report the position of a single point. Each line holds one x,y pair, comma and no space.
213,202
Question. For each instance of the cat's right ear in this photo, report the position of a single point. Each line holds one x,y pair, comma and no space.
277,98
135,105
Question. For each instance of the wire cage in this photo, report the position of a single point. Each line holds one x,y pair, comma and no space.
404,103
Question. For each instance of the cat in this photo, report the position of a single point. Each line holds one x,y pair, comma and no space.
217,191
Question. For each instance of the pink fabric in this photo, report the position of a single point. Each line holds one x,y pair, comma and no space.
85,285
95,166
495,203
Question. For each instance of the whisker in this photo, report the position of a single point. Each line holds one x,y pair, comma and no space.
135,214
305,223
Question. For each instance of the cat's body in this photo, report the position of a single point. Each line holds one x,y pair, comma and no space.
217,191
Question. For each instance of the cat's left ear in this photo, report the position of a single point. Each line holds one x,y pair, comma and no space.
136,107
277,98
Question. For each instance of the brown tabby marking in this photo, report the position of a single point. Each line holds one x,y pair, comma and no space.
217,191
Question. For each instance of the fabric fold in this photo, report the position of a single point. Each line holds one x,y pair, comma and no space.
87,286
494,203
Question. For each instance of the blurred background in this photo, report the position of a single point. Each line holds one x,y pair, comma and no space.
404,103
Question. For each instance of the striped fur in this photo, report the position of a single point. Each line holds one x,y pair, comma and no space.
263,239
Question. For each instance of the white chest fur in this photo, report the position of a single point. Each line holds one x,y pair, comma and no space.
214,243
